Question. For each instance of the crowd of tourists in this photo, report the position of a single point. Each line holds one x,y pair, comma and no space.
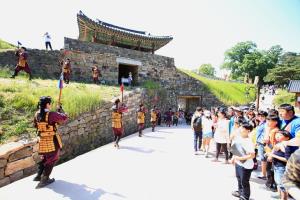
249,139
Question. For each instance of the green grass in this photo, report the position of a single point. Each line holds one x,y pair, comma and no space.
284,96
151,85
229,93
19,98
5,45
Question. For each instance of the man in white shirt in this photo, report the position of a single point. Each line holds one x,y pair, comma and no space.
47,40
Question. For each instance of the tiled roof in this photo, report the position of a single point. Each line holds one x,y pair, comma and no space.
294,86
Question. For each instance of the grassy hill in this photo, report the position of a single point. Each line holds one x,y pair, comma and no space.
5,45
230,93
19,98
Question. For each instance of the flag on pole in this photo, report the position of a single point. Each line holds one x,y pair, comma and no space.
122,87
61,82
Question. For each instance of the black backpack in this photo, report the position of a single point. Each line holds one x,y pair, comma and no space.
197,124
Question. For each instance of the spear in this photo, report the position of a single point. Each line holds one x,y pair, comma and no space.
122,90
60,86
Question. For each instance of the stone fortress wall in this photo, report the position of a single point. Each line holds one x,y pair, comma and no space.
93,129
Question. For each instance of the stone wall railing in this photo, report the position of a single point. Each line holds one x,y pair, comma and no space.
87,132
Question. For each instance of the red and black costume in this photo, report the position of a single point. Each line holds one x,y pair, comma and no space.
141,119
117,124
22,63
67,71
50,143
96,74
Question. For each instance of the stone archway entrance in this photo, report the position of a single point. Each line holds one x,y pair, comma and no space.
125,66
189,103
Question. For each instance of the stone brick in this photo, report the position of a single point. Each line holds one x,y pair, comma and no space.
16,176
9,148
1,173
22,153
4,181
3,162
19,165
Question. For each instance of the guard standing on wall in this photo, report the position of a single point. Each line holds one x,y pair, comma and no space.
50,142
66,69
22,63
117,124
96,74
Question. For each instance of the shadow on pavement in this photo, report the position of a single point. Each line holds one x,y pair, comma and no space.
79,191
153,137
140,150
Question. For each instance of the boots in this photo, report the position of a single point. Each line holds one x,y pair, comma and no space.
39,173
44,181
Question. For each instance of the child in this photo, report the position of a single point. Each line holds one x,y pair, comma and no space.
279,159
244,164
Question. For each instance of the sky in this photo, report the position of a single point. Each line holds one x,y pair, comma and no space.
202,29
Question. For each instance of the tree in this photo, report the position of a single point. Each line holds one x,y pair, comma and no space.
207,69
245,59
288,68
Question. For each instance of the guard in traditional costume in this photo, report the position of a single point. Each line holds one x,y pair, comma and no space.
67,71
22,63
153,119
96,74
50,142
169,115
117,124
141,119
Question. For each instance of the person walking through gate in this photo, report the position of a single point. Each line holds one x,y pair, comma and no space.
22,63
47,40
50,142
196,124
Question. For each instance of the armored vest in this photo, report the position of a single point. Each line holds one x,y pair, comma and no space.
153,116
47,133
141,117
116,120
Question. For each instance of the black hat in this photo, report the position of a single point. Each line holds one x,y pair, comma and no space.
44,100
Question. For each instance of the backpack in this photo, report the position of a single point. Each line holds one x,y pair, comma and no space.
197,124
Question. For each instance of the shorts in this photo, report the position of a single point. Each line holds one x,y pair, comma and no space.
207,135
278,175
261,152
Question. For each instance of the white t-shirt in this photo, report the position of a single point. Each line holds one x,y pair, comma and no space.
206,125
248,146
222,131
47,38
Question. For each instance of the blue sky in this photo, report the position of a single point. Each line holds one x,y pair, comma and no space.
202,29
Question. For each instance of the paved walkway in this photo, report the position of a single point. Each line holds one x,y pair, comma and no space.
158,166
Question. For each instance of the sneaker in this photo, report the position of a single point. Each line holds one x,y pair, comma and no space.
236,194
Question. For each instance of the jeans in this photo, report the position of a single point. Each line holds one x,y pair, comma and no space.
243,176
197,140
278,174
